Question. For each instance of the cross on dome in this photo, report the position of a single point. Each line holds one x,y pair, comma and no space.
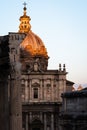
24,4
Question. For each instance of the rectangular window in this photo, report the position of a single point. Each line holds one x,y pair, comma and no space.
35,92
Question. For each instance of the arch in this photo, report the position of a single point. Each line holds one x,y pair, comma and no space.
36,121
36,124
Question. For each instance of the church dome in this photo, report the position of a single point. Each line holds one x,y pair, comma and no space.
33,45
33,53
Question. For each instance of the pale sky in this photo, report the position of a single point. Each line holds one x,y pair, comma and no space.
61,24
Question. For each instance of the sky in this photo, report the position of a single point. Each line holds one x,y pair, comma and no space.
61,24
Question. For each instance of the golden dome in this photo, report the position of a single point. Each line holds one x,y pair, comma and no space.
33,45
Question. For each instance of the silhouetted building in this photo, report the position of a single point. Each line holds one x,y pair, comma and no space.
74,110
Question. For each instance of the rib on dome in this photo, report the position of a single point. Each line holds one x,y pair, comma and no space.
33,45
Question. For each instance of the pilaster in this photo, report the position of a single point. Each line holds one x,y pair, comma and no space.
52,91
26,91
27,121
52,121
45,122
30,91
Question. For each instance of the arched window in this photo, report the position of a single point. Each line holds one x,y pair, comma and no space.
35,93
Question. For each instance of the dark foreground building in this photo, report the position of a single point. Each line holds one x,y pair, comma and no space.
74,110
30,94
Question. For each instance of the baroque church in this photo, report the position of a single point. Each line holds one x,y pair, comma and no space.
30,93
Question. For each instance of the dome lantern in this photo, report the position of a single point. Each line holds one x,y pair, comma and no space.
24,26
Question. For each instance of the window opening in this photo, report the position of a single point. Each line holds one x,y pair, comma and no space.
35,92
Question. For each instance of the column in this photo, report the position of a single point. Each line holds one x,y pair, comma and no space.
74,126
30,91
41,116
15,104
45,96
26,91
27,121
60,89
28,88
52,121
57,86
30,117
41,91
52,91
45,122
64,85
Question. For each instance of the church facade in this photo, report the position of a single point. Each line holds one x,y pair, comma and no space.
30,92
